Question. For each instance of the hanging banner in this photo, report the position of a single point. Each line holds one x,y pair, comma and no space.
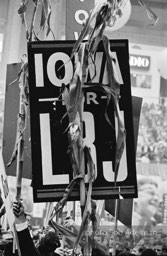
51,165
76,13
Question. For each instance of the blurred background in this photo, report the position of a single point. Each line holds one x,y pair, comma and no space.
148,62
148,68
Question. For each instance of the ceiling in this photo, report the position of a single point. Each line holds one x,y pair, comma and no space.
139,28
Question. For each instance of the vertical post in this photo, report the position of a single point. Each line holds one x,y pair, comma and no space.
82,182
20,154
49,209
74,209
76,12
21,124
117,202
82,167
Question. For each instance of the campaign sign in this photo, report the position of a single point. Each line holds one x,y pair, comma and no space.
76,13
51,166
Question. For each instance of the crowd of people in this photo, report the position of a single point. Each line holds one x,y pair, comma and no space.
130,242
48,242
143,235
152,137
147,210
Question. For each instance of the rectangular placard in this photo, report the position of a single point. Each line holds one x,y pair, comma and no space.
51,165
